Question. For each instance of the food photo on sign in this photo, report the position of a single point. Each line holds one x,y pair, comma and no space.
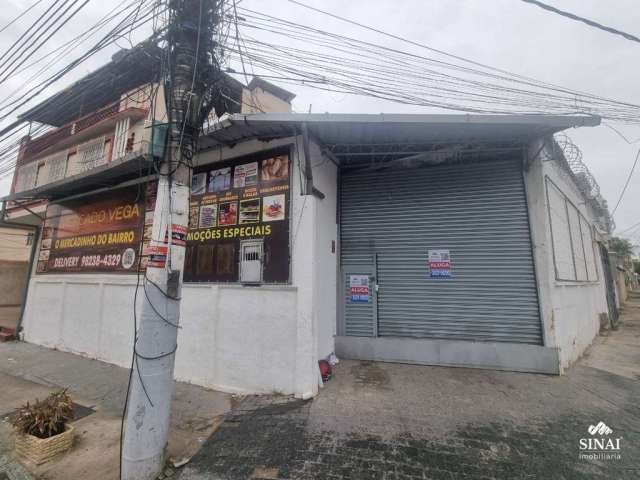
228,213
273,208
249,211
275,168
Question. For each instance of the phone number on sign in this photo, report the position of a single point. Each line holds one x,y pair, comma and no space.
109,260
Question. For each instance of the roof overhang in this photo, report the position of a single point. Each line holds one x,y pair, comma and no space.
362,129
108,175
127,70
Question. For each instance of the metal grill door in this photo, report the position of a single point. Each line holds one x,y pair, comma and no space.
360,306
478,212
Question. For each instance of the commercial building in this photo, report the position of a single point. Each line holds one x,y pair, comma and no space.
463,240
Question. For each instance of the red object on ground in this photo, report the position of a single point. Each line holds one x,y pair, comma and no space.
7,334
325,370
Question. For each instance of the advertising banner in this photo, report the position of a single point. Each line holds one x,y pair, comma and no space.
93,234
233,202
242,200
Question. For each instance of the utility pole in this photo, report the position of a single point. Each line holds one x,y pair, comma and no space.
189,69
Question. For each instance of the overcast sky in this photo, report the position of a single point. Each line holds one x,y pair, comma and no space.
508,34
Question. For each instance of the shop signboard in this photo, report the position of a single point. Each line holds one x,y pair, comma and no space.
236,201
439,263
93,234
245,199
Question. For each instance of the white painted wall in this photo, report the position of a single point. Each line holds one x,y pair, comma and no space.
325,179
570,310
237,339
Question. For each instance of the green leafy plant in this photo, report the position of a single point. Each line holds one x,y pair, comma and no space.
45,418
621,246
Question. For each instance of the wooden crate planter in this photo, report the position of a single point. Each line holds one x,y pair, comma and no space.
41,450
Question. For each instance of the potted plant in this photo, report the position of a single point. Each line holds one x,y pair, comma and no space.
42,428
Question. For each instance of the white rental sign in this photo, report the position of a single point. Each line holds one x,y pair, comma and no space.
439,263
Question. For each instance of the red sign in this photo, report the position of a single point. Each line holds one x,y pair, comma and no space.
178,235
359,290
440,264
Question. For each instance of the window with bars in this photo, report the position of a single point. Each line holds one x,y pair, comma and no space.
571,237
92,154
57,166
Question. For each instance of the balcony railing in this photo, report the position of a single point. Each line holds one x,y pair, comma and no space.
51,139
81,158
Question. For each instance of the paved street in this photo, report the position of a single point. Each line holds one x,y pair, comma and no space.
371,421
389,421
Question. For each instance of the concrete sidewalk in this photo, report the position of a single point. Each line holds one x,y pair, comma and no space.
28,372
391,421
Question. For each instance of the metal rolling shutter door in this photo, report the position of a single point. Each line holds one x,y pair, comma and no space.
477,211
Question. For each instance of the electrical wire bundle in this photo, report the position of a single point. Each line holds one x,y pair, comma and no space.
275,48
303,55
20,59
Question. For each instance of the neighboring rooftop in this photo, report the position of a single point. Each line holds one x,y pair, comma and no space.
127,70
258,82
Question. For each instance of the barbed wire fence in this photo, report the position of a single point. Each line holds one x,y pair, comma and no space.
571,160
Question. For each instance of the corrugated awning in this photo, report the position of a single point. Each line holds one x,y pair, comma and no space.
107,175
341,129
